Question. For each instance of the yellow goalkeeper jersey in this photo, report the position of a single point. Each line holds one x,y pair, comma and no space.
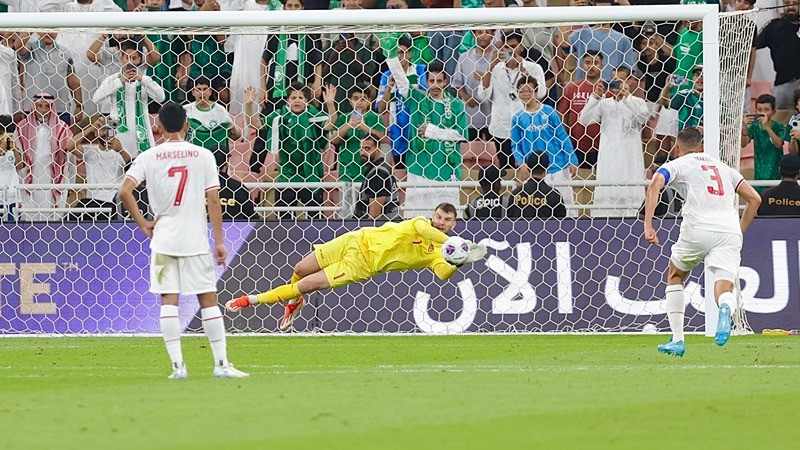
410,244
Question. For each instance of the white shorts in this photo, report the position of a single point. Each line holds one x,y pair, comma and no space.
667,124
182,274
720,251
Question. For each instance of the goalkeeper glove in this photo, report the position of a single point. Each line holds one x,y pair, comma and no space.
476,253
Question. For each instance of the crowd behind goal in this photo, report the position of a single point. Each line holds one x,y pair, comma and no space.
383,125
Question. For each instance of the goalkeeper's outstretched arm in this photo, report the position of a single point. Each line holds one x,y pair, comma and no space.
445,270
426,230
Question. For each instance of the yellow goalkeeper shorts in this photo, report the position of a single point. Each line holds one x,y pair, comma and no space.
343,260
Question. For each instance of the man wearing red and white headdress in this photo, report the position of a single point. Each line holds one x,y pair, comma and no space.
43,139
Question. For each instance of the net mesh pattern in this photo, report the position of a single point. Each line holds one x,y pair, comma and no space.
440,113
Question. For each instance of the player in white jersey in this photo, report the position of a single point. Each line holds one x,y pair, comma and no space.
711,230
180,178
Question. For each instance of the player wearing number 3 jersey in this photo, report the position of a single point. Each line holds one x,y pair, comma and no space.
711,230
180,178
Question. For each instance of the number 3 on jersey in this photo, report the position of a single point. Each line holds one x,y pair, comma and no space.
184,174
719,189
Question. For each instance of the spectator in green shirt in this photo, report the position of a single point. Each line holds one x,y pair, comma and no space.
767,136
688,50
210,124
420,48
295,132
352,128
687,101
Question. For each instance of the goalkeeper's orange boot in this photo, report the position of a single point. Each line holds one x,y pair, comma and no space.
291,313
239,303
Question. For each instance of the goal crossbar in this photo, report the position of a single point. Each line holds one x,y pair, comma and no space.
363,18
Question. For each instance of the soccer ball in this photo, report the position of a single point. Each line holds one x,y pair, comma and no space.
455,249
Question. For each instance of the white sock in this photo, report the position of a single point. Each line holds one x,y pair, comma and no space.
214,327
727,298
171,331
675,311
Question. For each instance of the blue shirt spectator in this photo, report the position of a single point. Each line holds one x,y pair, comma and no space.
542,131
616,48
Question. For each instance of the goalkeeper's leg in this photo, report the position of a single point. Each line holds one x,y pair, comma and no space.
286,292
321,258
307,266
291,292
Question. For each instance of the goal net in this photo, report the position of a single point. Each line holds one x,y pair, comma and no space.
324,122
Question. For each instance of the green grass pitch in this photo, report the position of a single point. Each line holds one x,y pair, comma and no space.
408,392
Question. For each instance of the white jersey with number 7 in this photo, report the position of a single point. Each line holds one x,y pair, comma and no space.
178,175
708,187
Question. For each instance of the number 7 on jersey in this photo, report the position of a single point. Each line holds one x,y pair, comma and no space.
184,174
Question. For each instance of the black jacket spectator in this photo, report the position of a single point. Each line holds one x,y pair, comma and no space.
656,68
780,36
536,200
379,182
234,199
490,205
783,199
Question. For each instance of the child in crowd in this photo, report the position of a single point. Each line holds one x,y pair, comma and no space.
767,136
538,128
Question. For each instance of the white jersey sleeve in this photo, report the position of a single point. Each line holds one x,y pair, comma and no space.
708,187
137,172
736,179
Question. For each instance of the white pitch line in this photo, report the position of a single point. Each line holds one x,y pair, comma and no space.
402,369
324,334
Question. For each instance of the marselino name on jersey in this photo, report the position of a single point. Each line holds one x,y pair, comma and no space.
177,154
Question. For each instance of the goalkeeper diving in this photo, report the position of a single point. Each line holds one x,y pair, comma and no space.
361,254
